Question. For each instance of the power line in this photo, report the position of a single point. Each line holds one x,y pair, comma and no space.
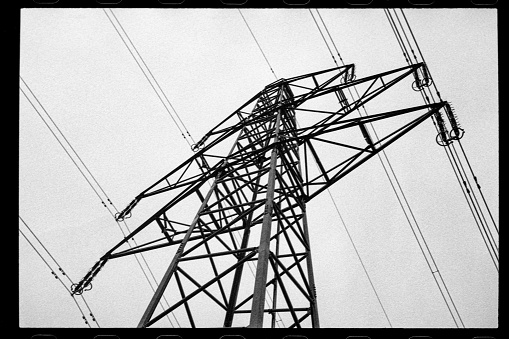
470,204
492,245
466,187
360,259
66,141
151,79
258,44
332,198
419,50
63,145
456,163
432,265
477,206
53,272
83,174
157,84
453,158
478,186
52,132
330,37
466,192
397,35
399,191
323,37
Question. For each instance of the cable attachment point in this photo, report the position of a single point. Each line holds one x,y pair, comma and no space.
126,213
422,78
195,147
340,95
86,283
349,74
456,132
199,145
442,137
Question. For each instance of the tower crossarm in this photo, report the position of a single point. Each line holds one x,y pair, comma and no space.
257,110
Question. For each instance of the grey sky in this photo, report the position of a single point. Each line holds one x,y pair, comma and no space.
208,65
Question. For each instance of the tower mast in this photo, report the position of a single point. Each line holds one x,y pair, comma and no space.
258,193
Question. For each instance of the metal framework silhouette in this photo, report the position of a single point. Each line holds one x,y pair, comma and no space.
240,201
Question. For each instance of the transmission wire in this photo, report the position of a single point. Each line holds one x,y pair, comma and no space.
59,267
479,212
68,143
153,77
132,54
397,35
56,276
456,166
483,235
328,190
405,53
323,37
257,43
478,186
52,132
83,174
459,165
148,78
419,50
330,37
360,259
465,181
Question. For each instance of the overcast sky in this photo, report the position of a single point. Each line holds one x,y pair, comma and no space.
208,65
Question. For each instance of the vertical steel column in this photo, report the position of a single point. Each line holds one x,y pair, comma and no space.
257,307
315,322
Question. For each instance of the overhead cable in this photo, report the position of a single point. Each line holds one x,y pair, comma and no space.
150,78
258,44
478,186
457,163
459,141
330,37
405,206
82,168
323,37
56,275
432,265
360,259
332,198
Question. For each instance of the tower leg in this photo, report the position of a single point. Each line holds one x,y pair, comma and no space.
171,269
315,322
257,307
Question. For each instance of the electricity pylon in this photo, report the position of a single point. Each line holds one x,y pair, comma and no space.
249,183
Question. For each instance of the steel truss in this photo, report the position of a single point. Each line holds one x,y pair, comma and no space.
252,201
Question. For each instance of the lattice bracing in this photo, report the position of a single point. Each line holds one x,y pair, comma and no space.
243,254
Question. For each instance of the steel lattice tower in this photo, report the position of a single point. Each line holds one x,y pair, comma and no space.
249,181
